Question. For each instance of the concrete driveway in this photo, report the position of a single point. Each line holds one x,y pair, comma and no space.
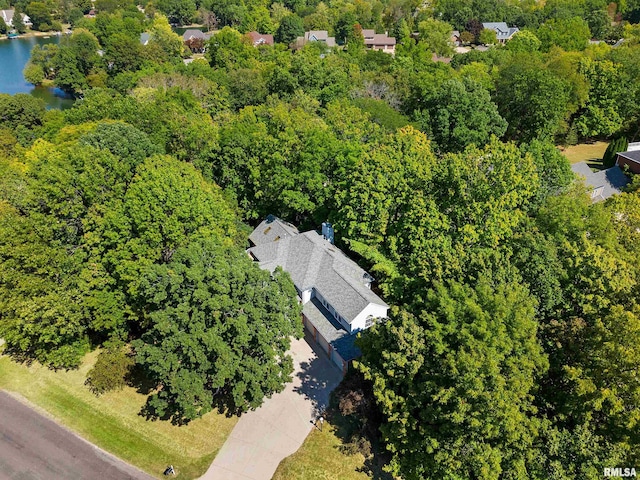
34,447
263,438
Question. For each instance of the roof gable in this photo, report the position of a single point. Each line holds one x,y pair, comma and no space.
193,33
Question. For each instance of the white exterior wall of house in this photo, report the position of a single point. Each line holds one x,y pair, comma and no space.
372,310
7,16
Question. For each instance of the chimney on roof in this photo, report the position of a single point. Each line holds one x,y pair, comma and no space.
327,232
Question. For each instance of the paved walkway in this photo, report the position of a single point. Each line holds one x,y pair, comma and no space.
34,447
263,438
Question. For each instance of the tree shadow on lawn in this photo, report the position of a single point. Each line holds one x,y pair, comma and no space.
595,164
138,379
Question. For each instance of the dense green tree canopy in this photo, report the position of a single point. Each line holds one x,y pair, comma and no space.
512,347
469,351
219,332
460,114
533,101
568,34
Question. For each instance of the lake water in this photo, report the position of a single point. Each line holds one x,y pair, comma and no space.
14,55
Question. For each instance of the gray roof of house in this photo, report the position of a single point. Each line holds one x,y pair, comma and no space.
193,33
144,38
320,36
612,180
331,330
272,229
503,32
314,262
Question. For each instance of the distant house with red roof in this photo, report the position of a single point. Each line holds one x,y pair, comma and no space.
260,38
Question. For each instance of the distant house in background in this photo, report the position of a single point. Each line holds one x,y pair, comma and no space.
455,38
7,16
195,40
315,36
503,32
144,38
335,292
604,183
630,158
379,41
192,34
260,38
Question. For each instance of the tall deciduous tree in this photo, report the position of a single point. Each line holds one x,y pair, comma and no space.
455,381
601,114
219,332
436,35
533,100
571,34
289,29
460,114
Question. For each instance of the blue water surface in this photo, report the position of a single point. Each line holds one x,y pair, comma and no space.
14,55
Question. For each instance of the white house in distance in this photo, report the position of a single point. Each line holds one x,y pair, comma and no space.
7,16
503,32
335,292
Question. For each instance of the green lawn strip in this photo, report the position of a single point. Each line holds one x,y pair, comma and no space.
111,421
585,152
106,431
320,457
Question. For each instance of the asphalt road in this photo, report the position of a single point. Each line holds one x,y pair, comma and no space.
34,447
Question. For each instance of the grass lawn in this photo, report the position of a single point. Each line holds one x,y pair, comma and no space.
320,458
585,152
111,421
323,456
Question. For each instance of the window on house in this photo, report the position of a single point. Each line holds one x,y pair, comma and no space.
368,322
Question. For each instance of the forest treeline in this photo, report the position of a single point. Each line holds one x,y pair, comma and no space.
512,350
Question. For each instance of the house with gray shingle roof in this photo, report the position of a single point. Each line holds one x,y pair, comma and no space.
335,292
602,184
315,36
192,34
503,32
